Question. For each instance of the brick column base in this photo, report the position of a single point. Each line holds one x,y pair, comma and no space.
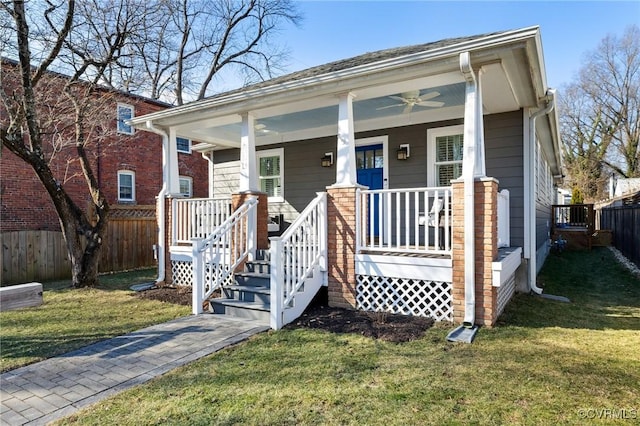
486,250
263,214
341,246
168,226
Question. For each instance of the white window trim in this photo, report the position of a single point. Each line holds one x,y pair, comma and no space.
272,153
432,134
377,140
133,114
188,151
190,180
133,185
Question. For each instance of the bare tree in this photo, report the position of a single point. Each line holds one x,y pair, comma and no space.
48,113
188,45
600,114
54,97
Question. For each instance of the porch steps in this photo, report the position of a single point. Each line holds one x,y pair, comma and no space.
249,297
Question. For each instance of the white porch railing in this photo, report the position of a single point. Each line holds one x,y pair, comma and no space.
298,258
504,236
197,217
216,257
412,220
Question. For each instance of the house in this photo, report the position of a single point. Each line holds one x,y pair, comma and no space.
415,180
127,164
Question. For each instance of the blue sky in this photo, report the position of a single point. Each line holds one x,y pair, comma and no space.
334,30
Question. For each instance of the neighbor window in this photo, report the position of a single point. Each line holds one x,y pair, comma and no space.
446,146
186,186
271,173
184,145
126,186
125,112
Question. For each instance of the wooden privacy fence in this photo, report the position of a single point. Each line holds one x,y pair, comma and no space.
624,222
42,255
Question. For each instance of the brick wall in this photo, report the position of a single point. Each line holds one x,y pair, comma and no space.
486,250
341,245
25,205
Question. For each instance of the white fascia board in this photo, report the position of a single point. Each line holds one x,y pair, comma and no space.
328,83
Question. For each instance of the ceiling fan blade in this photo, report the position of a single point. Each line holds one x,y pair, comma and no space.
427,96
408,108
431,104
389,106
398,98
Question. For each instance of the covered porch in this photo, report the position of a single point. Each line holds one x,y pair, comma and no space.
319,149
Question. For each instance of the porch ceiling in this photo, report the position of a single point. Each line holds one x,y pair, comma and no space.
294,110
377,108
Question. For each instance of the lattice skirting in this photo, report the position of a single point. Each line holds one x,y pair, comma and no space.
182,272
405,296
505,293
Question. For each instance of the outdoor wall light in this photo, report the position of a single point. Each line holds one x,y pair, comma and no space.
327,160
404,151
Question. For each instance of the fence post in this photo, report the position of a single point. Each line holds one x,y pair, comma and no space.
277,280
197,286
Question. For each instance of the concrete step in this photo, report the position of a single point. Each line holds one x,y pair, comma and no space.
253,279
247,293
262,254
241,309
260,266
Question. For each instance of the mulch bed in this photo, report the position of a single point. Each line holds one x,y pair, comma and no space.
375,325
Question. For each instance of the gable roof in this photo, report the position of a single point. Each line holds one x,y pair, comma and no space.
485,46
356,61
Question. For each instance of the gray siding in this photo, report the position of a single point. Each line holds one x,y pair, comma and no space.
303,175
505,162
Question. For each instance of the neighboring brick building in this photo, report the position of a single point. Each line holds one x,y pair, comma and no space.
127,165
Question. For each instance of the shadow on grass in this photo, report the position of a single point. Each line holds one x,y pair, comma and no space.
110,281
603,294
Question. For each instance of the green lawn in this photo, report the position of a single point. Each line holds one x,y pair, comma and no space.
545,363
72,318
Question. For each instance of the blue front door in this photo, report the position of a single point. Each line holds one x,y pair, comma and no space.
370,167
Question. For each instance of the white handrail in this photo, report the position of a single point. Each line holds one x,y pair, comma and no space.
410,220
300,252
216,257
197,217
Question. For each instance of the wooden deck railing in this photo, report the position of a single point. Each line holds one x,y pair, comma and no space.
573,216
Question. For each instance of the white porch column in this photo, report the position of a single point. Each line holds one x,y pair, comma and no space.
209,157
346,148
173,181
248,169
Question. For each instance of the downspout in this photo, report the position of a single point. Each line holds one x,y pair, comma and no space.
468,172
161,247
551,102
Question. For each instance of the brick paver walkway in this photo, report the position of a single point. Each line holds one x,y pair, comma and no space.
57,387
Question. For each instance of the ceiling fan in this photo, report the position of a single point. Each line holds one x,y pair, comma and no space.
412,98
262,128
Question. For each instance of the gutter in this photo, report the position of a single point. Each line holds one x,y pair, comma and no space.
162,243
551,102
468,176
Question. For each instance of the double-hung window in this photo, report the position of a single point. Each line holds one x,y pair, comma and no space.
183,145
126,186
125,112
271,173
186,186
446,146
